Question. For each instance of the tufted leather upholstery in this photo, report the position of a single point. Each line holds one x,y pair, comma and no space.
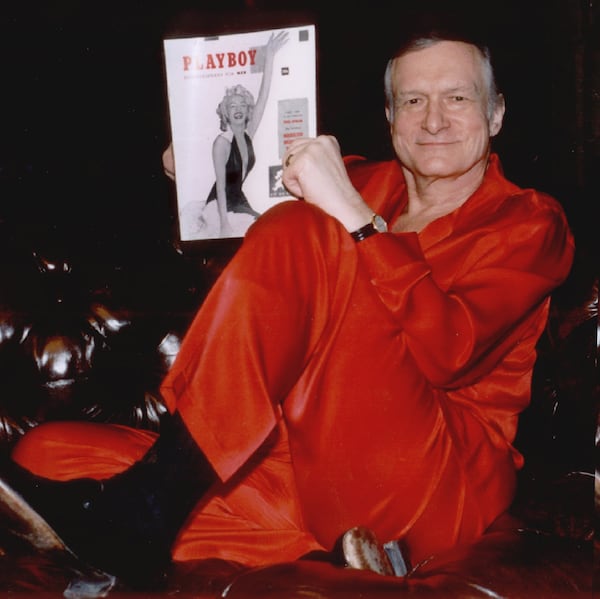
90,337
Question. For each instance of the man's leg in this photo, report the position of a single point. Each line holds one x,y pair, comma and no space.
246,349
249,519
124,521
273,309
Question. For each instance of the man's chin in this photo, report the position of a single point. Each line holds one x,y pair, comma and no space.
440,168
437,169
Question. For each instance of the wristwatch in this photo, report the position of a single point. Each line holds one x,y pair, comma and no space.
377,225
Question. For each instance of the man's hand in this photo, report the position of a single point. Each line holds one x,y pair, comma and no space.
168,160
313,170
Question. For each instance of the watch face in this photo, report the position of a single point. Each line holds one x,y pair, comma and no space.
379,224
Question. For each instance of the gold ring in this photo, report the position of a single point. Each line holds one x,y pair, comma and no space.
287,160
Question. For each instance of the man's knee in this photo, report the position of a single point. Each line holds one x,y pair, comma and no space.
297,248
298,221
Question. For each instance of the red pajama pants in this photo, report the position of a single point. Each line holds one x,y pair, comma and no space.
299,387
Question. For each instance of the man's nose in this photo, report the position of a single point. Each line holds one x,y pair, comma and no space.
435,118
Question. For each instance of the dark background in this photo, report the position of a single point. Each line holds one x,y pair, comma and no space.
85,119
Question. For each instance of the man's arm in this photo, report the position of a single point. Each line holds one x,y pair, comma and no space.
462,308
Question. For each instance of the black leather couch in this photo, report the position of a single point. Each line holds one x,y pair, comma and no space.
89,335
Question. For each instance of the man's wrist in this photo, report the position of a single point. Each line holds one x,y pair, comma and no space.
376,225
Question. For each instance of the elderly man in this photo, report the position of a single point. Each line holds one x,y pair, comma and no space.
362,360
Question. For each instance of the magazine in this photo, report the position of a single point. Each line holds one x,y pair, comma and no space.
235,102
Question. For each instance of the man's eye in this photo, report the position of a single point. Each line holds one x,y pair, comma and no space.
459,98
412,101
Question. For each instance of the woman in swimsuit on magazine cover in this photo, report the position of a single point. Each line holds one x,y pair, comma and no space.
232,151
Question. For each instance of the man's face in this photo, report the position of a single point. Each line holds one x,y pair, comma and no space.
440,126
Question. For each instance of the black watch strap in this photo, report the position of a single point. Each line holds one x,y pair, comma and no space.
364,232
377,225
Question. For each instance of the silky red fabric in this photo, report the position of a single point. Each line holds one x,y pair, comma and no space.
334,384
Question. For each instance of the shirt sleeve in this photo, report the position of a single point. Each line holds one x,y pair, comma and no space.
502,273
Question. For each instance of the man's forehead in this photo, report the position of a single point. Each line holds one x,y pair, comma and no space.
448,64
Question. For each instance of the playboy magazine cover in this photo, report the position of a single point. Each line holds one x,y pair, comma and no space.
235,102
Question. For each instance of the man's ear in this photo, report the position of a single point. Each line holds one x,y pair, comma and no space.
497,116
388,114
